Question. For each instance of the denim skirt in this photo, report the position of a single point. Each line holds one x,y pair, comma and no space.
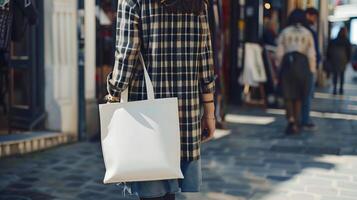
153,189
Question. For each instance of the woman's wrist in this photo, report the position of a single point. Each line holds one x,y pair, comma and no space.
209,117
208,101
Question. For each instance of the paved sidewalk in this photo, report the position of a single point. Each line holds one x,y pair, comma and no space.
255,162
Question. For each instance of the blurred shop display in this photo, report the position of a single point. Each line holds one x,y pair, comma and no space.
5,24
20,98
254,75
105,38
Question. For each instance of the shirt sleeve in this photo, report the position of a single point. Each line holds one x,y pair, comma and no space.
127,46
207,74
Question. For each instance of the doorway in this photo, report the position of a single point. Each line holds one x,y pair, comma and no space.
23,81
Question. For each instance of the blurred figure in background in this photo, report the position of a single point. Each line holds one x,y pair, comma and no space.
338,55
269,32
296,56
312,16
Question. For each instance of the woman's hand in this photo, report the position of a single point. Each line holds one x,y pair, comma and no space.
208,122
111,99
208,125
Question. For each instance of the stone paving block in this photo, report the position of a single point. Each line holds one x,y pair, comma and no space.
270,197
76,184
315,164
19,186
293,186
279,178
89,195
287,149
336,198
97,187
60,168
302,196
345,171
284,166
24,195
239,193
334,177
76,177
348,193
321,190
269,172
347,185
280,161
314,181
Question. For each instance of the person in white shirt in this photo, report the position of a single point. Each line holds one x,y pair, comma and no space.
296,57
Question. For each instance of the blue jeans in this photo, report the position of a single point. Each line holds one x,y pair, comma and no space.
154,189
306,103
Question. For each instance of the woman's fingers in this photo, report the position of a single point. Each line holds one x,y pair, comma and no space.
208,127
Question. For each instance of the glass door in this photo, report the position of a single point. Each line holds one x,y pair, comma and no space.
26,78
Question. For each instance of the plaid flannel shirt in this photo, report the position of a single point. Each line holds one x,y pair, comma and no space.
178,55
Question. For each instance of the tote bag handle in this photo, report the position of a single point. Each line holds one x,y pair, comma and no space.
149,87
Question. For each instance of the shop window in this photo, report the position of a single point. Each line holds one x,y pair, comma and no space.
21,88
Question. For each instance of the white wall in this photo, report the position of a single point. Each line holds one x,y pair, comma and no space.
90,48
61,70
92,119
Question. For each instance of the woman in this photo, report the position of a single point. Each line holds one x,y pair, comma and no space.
174,38
297,57
338,55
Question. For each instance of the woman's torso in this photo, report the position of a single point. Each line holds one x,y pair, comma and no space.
296,39
172,48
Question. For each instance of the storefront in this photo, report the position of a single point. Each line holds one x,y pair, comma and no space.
22,74
42,81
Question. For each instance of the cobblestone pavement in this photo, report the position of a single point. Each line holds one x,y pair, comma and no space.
256,162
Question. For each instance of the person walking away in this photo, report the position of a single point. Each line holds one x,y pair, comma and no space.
312,16
296,57
339,55
174,38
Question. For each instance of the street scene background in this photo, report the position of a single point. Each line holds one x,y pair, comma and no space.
53,76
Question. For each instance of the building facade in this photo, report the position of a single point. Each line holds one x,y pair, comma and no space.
44,87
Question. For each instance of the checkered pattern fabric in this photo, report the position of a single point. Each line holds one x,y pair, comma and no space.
178,55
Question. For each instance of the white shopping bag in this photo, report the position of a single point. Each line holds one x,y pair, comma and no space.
141,139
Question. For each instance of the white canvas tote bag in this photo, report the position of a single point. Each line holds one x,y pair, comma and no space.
141,139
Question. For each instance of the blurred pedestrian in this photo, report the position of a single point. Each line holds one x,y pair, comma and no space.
312,16
296,56
269,33
174,38
339,55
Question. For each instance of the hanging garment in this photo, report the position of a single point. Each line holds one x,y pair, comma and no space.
254,71
5,24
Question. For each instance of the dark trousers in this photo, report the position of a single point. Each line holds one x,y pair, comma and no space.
338,76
